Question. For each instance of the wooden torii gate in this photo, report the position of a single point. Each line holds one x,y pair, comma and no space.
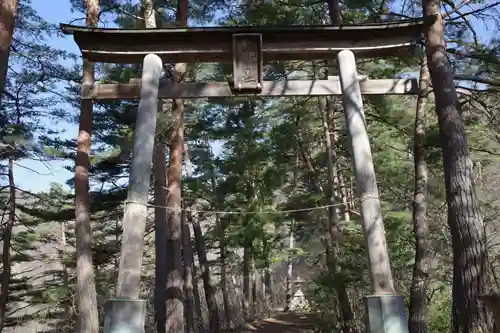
247,47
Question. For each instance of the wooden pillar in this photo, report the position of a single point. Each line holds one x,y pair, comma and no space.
384,309
88,319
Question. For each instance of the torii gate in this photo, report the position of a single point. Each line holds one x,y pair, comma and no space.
247,47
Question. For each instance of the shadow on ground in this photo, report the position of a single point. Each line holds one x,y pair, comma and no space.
280,323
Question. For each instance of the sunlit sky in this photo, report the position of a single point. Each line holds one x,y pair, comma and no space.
36,176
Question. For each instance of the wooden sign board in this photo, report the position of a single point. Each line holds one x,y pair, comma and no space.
247,62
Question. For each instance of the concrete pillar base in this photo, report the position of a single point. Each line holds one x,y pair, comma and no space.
125,316
385,314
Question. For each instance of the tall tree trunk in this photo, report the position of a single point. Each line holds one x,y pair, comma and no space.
344,193
65,274
222,240
334,223
223,271
247,271
470,262
254,277
8,12
187,255
191,288
7,239
175,272
88,319
160,199
289,273
199,322
335,12
417,321
268,295
205,274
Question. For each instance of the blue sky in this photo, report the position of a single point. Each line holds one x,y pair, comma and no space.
37,176
34,175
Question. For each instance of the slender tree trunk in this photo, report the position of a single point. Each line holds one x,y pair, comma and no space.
223,272
160,198
289,273
199,322
190,288
335,12
344,192
88,319
470,261
333,223
417,322
65,274
8,12
247,296
268,294
205,274
187,255
254,277
174,304
7,239
222,241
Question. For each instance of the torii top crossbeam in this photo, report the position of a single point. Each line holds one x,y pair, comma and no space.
216,43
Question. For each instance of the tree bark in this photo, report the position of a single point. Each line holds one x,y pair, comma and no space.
222,240
205,274
333,223
335,12
160,198
417,321
470,262
88,319
65,273
289,273
247,271
175,271
187,255
7,239
8,12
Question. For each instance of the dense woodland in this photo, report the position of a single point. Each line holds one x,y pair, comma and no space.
266,185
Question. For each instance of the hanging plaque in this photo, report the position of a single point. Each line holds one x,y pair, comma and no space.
247,62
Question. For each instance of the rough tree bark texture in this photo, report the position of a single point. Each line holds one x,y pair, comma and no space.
187,255
88,319
247,271
174,304
8,11
470,264
7,237
160,198
65,273
289,272
417,321
334,223
222,240
205,274
175,270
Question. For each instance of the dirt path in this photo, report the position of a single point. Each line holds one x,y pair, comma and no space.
280,323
